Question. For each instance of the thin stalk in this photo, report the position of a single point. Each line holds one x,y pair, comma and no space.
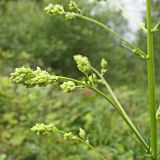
120,111
130,123
91,87
130,16
86,143
92,148
141,53
151,80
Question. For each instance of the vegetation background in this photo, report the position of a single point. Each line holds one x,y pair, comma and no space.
30,37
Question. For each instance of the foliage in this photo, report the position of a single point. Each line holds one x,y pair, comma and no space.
83,109
26,39
22,108
31,31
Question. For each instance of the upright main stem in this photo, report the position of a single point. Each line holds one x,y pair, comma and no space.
151,80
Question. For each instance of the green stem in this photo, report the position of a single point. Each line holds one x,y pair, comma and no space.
129,16
87,143
151,79
91,87
120,111
92,148
128,120
141,53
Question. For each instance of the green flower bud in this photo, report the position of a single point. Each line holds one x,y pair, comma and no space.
74,7
21,75
104,63
82,133
94,77
68,86
83,64
135,51
69,136
55,9
103,71
42,129
90,79
70,15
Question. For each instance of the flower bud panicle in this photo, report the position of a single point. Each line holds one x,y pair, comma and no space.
55,9
83,64
74,7
31,78
68,86
42,129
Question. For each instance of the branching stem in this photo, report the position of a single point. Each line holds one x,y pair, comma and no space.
127,119
117,107
139,51
142,27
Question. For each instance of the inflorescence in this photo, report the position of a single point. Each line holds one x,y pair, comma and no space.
42,129
31,78
56,9
83,64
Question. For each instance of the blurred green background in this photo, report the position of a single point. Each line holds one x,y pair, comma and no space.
28,36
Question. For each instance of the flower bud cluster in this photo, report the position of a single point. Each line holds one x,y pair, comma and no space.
92,79
83,64
30,78
49,129
68,86
137,52
69,136
55,9
104,65
70,15
42,129
81,137
74,7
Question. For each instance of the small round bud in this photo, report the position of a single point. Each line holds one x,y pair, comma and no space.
82,133
104,63
103,71
135,51
69,136
68,86
90,79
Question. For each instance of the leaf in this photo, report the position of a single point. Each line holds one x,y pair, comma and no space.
156,27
